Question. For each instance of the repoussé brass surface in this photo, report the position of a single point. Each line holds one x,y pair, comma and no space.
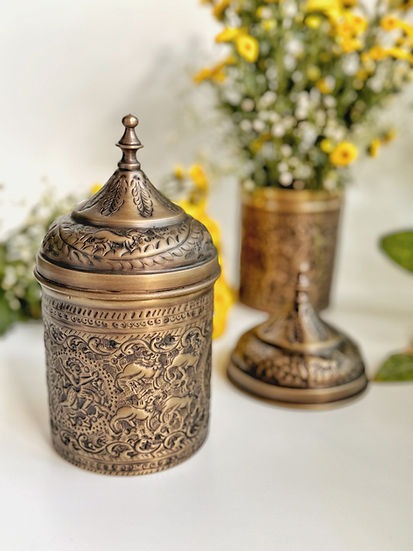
127,282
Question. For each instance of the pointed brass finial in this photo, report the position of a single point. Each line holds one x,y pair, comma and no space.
130,144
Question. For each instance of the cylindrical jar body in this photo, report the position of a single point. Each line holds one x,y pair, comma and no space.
128,381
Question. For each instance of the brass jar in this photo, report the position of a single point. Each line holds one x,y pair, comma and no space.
127,282
282,230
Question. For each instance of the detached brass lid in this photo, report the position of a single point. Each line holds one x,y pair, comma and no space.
298,358
131,232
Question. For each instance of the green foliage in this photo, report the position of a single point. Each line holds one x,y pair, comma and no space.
399,247
19,291
397,367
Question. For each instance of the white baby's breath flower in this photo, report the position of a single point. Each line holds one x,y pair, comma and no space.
297,76
278,130
247,105
320,118
301,113
286,150
274,116
271,72
351,64
268,151
289,122
248,185
294,47
375,84
303,98
9,278
265,12
258,125
245,125
303,171
289,8
290,62
233,97
282,167
267,99
329,101
285,178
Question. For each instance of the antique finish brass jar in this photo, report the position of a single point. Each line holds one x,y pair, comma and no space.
127,282
280,230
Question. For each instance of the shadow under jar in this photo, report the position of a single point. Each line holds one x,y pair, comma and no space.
127,282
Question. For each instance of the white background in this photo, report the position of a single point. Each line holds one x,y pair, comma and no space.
268,478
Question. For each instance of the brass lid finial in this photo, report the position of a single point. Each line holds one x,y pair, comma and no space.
129,143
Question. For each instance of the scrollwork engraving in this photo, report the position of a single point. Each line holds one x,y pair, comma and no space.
128,402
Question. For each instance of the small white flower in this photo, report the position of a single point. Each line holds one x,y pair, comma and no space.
351,64
9,278
286,178
248,185
375,84
232,96
290,62
330,101
294,47
303,171
289,122
245,125
258,125
286,150
283,167
271,72
301,113
274,116
267,99
265,13
247,105
278,130
268,151
290,8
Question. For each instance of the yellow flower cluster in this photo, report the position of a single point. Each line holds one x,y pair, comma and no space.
215,73
376,143
246,45
304,79
196,205
343,154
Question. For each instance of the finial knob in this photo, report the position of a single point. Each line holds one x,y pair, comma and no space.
130,121
129,143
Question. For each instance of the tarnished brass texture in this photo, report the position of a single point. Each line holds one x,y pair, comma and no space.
281,229
297,358
127,283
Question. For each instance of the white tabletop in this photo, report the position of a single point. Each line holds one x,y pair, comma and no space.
267,478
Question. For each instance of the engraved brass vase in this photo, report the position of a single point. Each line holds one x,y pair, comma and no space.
127,282
281,230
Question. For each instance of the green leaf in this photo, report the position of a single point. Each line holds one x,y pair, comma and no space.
397,367
7,316
399,247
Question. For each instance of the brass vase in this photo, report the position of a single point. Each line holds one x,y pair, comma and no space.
127,282
282,230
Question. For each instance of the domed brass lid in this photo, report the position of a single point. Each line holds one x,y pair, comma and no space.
128,238
296,357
